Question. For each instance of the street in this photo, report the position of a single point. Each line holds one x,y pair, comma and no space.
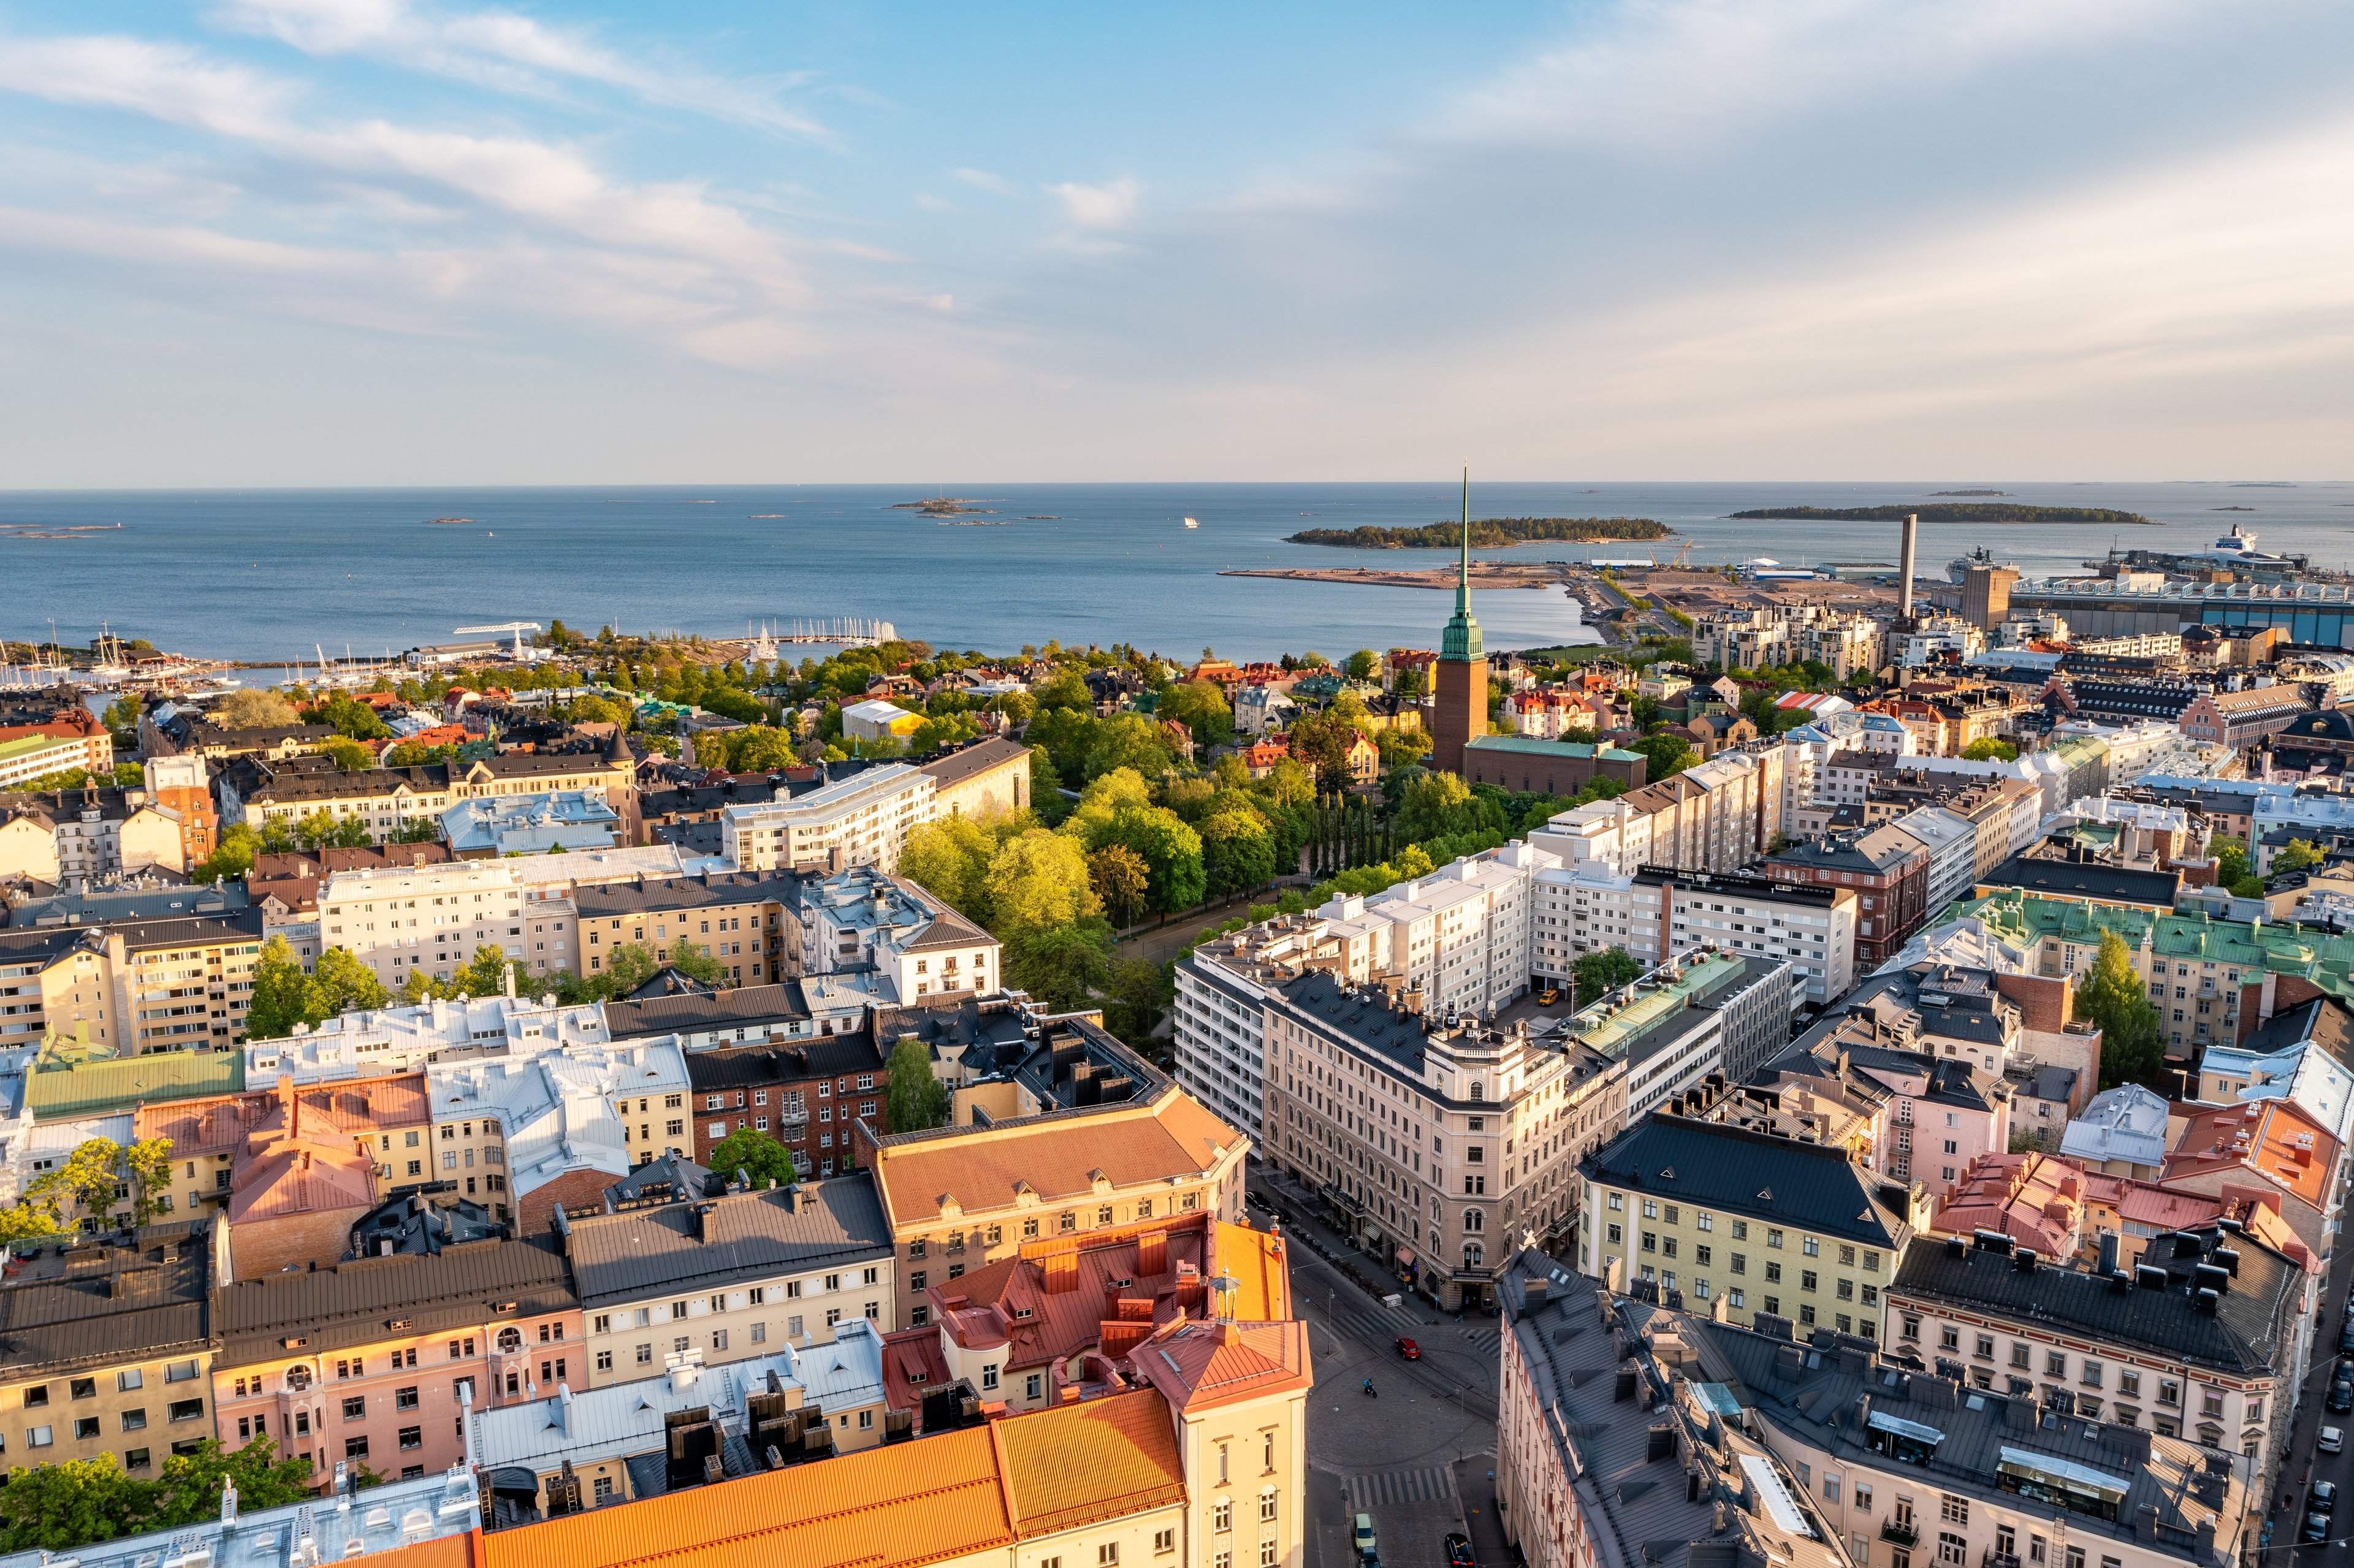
1418,1454
2301,1464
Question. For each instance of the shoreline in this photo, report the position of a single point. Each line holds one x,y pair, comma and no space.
1488,575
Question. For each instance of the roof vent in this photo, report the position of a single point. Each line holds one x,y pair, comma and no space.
2205,1302
2148,1276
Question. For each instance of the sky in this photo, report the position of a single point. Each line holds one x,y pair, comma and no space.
386,242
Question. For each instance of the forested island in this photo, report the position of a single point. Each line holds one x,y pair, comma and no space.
1951,511
1487,532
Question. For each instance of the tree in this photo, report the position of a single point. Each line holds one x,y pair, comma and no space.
1201,707
1171,851
2231,859
2299,854
1038,881
254,710
190,1486
1063,689
27,1221
147,1164
60,1507
122,713
1436,805
1606,970
1363,664
283,996
695,962
1137,994
914,1098
355,719
349,755
340,983
950,856
1988,749
755,1155
485,973
1120,880
90,1179
1670,755
1127,741
1060,966
1402,748
1237,851
2112,997
1322,744
232,854
627,967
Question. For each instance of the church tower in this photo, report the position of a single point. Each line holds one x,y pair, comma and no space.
1461,677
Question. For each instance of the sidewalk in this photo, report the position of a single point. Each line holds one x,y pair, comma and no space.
1298,1210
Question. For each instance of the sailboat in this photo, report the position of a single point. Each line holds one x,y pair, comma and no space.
1193,523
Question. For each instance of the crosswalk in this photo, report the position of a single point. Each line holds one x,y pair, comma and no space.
1431,1483
1376,1324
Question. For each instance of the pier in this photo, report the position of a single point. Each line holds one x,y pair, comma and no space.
851,631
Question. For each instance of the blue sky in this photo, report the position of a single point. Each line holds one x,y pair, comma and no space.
386,241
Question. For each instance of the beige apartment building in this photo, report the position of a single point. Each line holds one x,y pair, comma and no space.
110,1345
958,1197
862,819
1445,1147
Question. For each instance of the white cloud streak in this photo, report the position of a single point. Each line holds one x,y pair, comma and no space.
507,52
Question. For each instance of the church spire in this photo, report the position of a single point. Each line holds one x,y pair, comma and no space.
1460,643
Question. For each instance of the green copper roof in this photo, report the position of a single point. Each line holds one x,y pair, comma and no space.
1530,745
2323,959
1459,643
55,1091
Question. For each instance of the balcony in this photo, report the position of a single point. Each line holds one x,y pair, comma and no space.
1903,1535
1990,1558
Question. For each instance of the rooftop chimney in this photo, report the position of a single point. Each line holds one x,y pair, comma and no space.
1904,566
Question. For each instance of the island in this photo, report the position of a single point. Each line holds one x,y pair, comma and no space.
1972,511
1487,532
943,506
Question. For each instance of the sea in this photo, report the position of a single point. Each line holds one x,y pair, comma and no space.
285,575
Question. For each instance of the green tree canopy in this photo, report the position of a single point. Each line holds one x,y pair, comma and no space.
189,1489
914,1098
254,709
1063,689
1060,966
1989,749
340,983
2111,996
1237,851
950,856
756,1157
283,995
1171,851
60,1507
1606,970
1363,664
1202,708
1668,755
1038,881
1122,882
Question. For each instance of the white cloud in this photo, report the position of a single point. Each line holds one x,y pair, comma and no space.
1096,206
508,52
981,179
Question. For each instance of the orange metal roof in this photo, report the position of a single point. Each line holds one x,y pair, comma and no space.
896,1507
1102,1459
983,1170
1203,1364
2275,1139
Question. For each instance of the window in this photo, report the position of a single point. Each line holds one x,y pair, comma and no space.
412,1437
356,1447
2056,1363
1108,1554
1952,1510
1221,1515
1163,1542
185,1410
356,1410
38,1437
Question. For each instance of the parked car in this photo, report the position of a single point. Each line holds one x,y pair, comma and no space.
2346,1338
2332,1440
2316,1531
1547,997
1408,1350
2323,1498
1365,1540
1459,1550
2341,1397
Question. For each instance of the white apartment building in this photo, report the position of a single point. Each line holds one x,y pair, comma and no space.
1769,635
1931,636
1952,843
404,1039
559,1125
1462,936
1658,915
398,920
864,819
860,918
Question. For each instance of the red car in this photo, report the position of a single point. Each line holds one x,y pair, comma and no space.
1408,1350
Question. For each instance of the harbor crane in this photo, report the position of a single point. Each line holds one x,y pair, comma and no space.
522,653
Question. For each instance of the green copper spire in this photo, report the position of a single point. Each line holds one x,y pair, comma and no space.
1460,644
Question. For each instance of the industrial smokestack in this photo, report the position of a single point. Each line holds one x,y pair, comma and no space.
1905,566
